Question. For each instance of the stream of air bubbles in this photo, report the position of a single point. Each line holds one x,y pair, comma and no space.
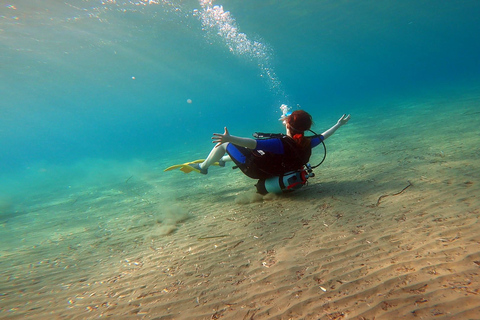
215,20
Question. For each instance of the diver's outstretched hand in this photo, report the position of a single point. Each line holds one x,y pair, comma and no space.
221,138
343,120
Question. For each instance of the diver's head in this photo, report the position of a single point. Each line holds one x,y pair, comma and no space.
298,122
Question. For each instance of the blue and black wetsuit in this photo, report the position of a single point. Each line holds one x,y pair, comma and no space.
272,157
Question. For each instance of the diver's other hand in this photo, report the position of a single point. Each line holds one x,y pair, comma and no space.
221,138
343,120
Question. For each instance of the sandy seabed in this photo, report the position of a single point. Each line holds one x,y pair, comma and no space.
388,229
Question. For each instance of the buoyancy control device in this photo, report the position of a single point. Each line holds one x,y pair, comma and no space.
292,180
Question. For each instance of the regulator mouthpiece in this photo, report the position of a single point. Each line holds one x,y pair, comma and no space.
285,112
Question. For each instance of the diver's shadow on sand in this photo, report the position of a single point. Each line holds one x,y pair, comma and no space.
365,192
361,192
312,191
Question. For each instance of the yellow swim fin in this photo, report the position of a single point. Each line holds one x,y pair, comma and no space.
186,167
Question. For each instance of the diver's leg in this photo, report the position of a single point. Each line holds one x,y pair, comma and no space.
217,154
225,158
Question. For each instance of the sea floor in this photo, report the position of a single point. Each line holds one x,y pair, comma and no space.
387,229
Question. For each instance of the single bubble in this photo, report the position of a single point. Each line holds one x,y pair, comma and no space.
189,100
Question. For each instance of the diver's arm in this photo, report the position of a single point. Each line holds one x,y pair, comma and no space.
343,120
239,141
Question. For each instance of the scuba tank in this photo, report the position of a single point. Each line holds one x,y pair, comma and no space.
287,182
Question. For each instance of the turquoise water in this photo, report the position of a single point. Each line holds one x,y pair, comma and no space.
68,91
98,97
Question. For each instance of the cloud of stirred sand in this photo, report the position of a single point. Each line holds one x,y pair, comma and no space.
164,220
251,196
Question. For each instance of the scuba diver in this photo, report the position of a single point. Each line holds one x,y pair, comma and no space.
278,161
